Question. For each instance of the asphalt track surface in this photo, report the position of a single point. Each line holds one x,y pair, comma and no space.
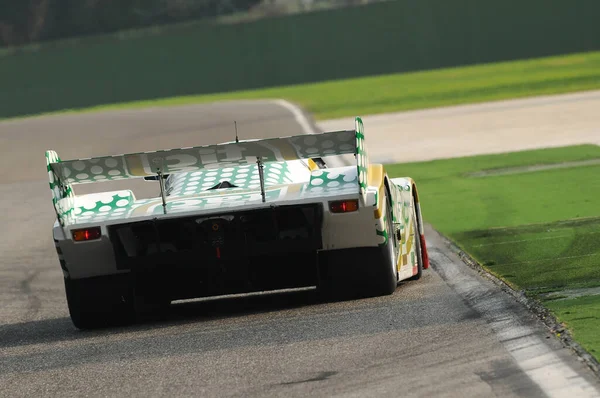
452,333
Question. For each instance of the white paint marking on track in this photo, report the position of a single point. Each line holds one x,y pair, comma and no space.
301,119
307,127
536,358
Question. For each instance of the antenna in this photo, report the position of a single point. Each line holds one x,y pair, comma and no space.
236,132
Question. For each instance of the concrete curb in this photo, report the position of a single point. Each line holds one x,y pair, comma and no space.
533,305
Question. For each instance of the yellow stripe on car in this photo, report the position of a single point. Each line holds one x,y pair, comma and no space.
409,243
287,151
135,165
375,179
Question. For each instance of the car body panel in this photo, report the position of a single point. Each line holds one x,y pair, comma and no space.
290,177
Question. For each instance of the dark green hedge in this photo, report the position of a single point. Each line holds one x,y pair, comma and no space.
26,21
397,36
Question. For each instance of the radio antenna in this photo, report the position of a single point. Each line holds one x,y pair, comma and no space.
236,132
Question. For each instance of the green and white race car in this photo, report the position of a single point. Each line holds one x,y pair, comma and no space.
238,217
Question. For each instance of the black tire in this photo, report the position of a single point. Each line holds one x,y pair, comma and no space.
360,272
100,302
418,250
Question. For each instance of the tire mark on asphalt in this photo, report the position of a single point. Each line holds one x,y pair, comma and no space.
33,301
320,377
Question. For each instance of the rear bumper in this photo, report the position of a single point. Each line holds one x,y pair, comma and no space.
219,239
225,253
290,236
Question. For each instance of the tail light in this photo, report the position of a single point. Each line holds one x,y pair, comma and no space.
343,206
81,235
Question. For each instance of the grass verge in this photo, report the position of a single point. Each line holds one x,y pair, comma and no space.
406,91
535,225
581,315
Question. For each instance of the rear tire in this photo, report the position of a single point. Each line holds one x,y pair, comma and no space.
360,272
100,301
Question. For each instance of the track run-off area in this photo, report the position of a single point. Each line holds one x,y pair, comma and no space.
452,333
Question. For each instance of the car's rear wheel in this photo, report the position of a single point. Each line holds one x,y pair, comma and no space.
360,272
100,301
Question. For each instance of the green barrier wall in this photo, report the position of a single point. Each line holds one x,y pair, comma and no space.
396,36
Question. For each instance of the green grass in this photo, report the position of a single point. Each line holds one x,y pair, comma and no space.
540,257
448,193
582,316
537,230
405,91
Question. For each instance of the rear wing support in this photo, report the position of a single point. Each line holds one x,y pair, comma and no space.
161,182
261,176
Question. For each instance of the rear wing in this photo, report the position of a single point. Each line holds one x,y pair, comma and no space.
138,165
62,174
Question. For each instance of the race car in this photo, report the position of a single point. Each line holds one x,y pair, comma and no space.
238,217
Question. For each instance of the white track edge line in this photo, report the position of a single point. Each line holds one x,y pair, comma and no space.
532,354
308,128
298,115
